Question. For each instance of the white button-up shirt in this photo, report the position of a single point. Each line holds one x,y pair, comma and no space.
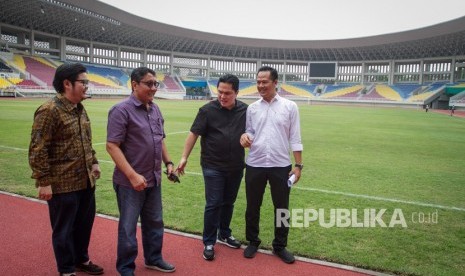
275,130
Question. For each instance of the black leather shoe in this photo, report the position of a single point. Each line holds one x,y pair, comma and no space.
161,266
230,241
209,253
285,255
90,268
250,251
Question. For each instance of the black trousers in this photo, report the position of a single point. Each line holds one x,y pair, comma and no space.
72,217
256,179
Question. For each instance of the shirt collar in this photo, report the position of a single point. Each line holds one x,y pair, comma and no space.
136,101
67,104
218,104
275,98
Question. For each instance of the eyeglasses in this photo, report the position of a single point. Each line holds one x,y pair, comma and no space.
151,84
84,82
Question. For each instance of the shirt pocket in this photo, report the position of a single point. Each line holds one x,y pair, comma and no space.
156,126
281,118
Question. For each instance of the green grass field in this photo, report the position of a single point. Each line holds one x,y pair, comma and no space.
355,158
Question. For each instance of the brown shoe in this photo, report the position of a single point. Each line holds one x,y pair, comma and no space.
90,268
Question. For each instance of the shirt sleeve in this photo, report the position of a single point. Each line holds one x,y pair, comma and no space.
199,125
117,125
89,131
295,139
41,137
248,123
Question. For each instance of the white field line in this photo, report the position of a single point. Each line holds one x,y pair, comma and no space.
171,133
111,162
382,199
178,132
13,148
377,198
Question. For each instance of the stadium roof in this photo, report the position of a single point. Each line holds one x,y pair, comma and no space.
98,22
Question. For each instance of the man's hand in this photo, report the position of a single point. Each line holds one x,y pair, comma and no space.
173,177
45,192
181,166
245,140
297,172
171,173
96,171
138,182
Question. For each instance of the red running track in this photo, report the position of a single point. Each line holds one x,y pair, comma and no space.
26,249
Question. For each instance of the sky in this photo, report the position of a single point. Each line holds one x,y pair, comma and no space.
296,19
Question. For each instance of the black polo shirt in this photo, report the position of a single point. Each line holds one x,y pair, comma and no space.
220,130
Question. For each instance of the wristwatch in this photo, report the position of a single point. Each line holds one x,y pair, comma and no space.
300,166
169,163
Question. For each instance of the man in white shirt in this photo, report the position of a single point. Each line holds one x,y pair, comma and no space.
272,131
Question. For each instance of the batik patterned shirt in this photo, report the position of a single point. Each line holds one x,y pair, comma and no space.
61,153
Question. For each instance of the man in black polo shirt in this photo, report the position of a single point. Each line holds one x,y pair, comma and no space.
221,123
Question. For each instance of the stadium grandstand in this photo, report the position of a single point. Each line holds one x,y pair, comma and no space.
412,68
